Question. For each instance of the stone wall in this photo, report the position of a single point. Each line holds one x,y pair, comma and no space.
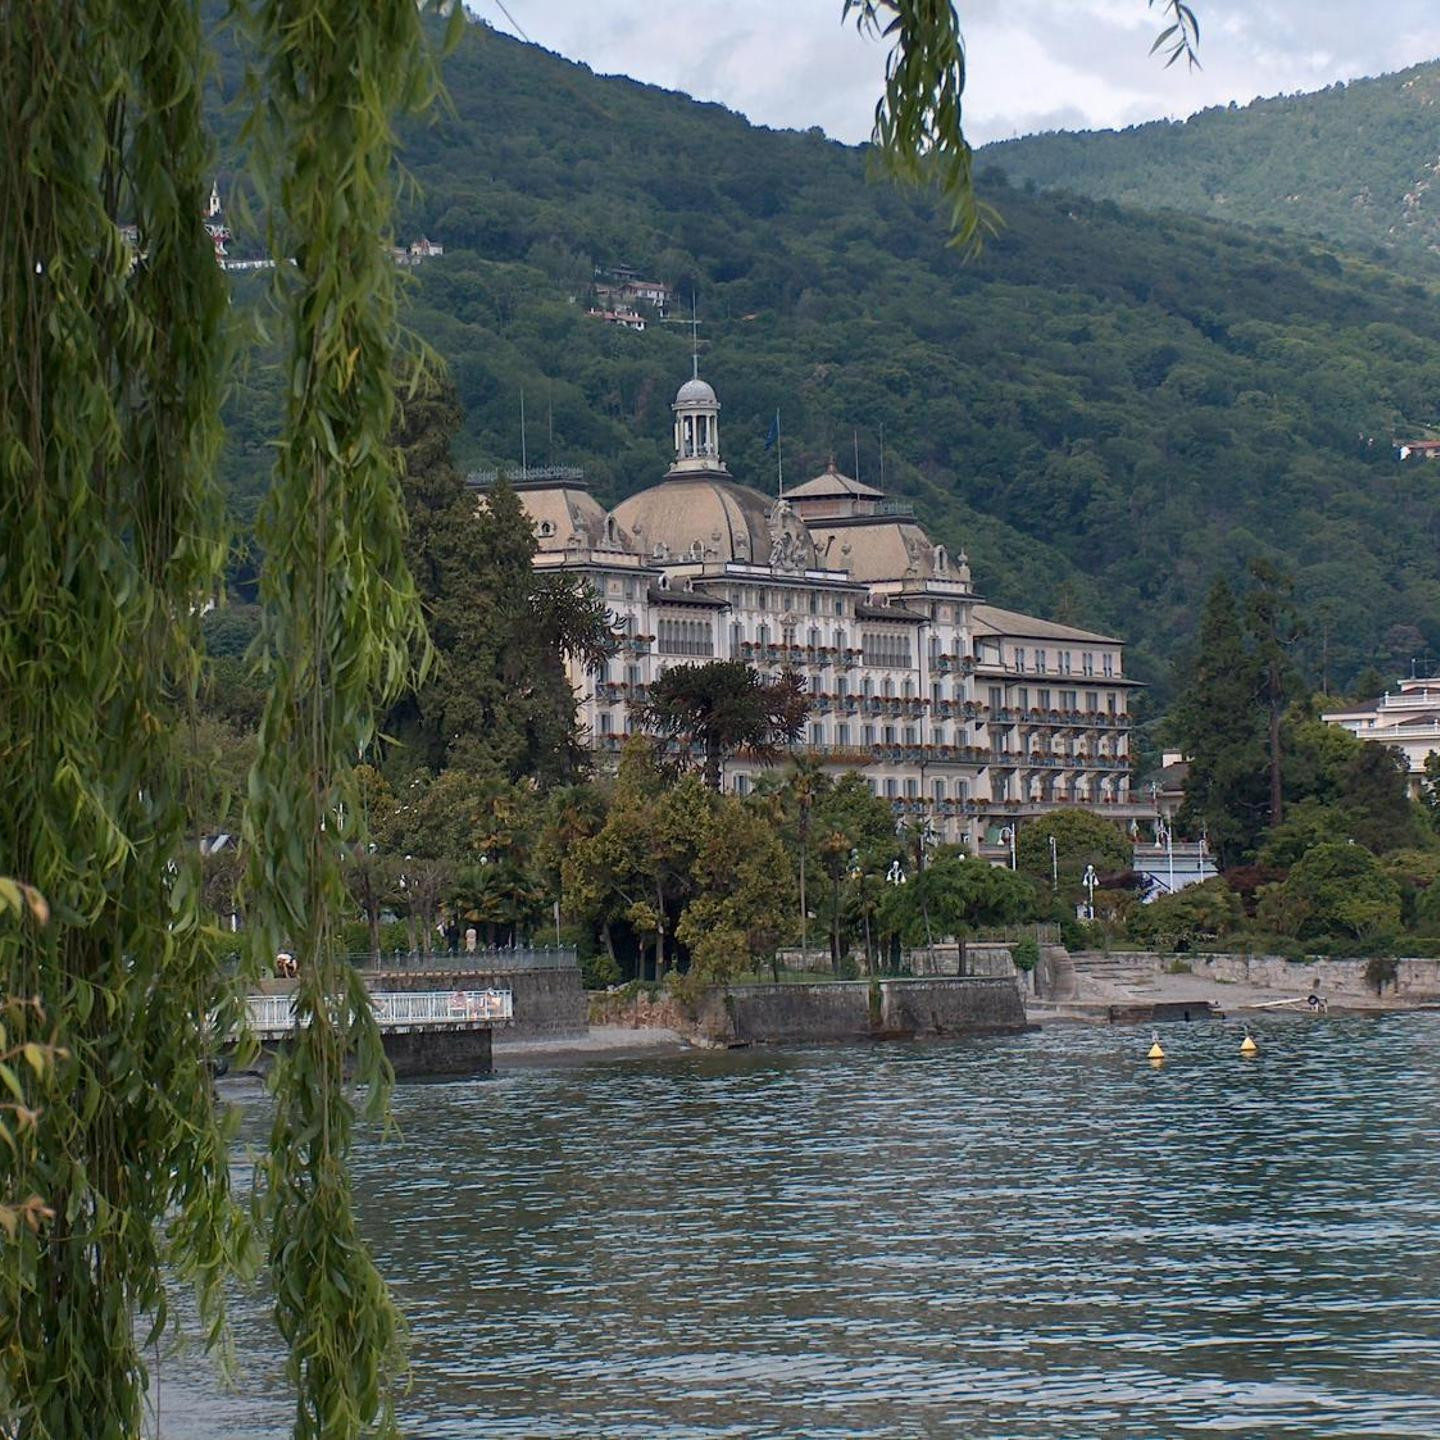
1417,979
439,1052
547,1002
861,1009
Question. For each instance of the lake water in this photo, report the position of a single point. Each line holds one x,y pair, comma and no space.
1038,1236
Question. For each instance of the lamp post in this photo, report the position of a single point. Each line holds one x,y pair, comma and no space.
857,875
1090,881
1054,867
1007,837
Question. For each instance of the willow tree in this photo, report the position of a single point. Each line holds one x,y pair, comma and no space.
111,536
114,319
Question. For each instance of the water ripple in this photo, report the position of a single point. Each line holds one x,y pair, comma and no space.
1036,1237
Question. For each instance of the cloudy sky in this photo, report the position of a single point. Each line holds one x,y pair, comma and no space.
1034,64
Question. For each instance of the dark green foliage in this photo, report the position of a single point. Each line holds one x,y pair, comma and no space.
1081,839
1114,405
1217,722
1341,163
1204,912
962,894
725,706
498,698
114,1163
1334,889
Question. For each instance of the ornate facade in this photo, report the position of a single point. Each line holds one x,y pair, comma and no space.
952,709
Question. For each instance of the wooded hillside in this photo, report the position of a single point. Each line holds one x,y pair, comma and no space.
1104,410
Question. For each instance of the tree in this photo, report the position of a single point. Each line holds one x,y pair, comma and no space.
498,696
725,706
1216,723
742,894
1198,912
963,894
1334,889
1082,839
1271,620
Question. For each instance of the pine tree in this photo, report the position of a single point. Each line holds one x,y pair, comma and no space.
1218,723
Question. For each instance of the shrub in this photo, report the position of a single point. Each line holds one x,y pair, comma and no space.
1025,955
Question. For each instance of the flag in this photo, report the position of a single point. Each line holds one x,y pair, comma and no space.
774,434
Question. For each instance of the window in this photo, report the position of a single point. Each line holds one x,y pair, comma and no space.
997,698
867,735
889,734
1109,664
842,640
737,638
605,722
787,637
1064,662
842,687
1092,701
814,637
1043,700
1040,663
842,734
632,675
1111,703
912,789
935,693
742,784
1020,658
839,604
891,789
815,606
939,735
817,733
1067,700
938,789
1087,662
910,738
1022,697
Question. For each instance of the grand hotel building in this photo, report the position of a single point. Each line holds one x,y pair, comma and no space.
952,709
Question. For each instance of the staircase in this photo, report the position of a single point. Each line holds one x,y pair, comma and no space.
1126,970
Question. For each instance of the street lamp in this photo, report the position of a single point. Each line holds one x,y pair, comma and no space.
1054,867
1007,837
1091,879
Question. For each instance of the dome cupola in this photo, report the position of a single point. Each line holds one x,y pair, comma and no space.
697,428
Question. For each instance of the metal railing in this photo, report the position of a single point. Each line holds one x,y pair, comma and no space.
493,959
272,1015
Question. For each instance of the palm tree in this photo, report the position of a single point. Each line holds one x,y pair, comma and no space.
724,706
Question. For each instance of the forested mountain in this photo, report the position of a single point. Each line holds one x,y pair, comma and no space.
1105,409
1356,164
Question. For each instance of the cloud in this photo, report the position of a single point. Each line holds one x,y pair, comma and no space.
1032,63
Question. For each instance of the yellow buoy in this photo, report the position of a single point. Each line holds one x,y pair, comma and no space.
1248,1046
1156,1053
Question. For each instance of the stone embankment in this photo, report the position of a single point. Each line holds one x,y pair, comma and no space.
827,1011
1107,984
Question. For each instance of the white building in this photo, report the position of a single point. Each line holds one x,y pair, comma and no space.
1407,719
952,709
